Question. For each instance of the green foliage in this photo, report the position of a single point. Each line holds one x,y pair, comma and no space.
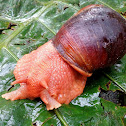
27,24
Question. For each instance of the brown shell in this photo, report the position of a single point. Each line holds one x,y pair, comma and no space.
95,37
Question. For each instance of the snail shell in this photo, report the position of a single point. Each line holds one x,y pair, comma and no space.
93,38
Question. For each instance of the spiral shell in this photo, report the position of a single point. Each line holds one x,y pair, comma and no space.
95,37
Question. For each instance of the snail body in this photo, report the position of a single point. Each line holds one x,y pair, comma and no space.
95,37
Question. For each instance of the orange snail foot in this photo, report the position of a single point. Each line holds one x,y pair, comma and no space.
20,93
43,73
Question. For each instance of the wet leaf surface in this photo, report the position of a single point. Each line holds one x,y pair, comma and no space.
27,24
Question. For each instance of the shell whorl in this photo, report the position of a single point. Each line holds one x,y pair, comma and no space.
95,37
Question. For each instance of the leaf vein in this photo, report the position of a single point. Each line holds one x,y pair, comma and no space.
11,53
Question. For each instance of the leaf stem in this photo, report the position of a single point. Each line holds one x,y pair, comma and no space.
60,117
15,33
47,27
112,79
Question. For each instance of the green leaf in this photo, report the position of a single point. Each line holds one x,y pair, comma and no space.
27,24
